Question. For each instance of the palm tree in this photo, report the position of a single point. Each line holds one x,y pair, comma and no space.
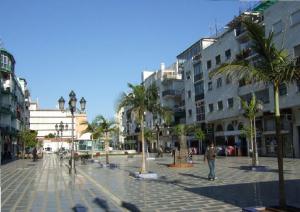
92,128
181,130
200,135
106,127
141,100
272,66
148,133
251,109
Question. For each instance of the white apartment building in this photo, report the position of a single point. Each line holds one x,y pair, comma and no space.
191,67
13,106
170,86
222,94
44,120
171,92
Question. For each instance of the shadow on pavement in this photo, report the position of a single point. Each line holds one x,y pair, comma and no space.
131,207
102,203
251,194
194,176
259,169
79,208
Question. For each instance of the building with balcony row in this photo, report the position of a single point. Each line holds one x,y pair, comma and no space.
14,106
214,104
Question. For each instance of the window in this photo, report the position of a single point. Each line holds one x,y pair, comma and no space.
218,60
210,86
277,27
282,89
189,94
197,69
188,75
219,82
211,107
228,54
228,79
295,17
190,112
208,64
200,111
199,88
220,105
5,62
230,103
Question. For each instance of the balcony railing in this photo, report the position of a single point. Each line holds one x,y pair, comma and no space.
199,96
198,77
196,58
171,93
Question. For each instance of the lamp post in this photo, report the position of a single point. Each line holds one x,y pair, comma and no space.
60,128
72,108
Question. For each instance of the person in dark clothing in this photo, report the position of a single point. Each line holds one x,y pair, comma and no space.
34,154
210,156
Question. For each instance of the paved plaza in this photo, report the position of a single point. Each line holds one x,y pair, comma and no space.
46,185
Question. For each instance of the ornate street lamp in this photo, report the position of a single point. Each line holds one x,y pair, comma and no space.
72,107
60,128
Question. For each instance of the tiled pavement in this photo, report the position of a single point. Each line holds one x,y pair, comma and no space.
47,186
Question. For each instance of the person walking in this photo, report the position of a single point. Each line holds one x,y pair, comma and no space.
34,154
210,156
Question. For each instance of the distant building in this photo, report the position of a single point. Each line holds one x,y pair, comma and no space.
44,120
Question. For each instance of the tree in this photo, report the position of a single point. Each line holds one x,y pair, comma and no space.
181,130
148,135
94,129
50,135
141,99
251,109
200,135
106,127
273,66
28,138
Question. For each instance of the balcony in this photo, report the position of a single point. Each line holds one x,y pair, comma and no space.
198,77
6,67
171,93
196,58
199,97
241,34
4,128
5,108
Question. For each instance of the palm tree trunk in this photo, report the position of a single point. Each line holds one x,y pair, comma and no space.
251,137
143,169
92,147
106,148
282,199
255,153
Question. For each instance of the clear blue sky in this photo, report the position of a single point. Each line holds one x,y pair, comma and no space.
96,46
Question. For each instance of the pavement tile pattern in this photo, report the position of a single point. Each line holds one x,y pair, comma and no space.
47,186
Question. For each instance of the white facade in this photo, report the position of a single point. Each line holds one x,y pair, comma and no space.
44,121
